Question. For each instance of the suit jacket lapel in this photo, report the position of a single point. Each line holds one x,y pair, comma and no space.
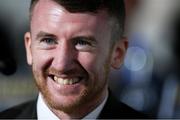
114,109
109,111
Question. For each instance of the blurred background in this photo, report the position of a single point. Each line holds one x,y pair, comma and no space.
149,80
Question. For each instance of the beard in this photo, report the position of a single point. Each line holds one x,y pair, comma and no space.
91,94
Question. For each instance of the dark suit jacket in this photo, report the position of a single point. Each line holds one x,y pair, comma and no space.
113,109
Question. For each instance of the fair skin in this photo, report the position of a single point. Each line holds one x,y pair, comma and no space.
71,57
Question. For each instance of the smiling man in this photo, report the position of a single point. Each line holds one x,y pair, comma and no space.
72,46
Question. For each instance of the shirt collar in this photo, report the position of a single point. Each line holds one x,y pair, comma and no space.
96,112
44,113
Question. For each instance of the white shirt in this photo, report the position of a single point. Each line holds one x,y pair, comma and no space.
44,113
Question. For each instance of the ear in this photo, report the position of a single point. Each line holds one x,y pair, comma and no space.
27,41
119,52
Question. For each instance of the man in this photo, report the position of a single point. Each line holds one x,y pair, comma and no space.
71,46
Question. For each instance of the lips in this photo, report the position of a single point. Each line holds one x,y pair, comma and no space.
66,81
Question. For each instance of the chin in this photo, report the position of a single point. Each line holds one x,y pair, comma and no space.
67,103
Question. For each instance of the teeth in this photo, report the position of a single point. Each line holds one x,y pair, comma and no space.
66,81
55,78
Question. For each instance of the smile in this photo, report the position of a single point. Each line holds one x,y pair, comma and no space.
66,81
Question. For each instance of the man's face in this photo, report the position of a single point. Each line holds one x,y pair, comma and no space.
70,55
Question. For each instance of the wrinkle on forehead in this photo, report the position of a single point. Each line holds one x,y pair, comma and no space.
48,7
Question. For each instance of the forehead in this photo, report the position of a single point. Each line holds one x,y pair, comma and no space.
52,17
50,7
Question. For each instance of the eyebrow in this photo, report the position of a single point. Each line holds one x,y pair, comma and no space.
89,38
44,34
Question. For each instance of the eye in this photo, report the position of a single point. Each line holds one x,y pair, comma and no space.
48,41
83,44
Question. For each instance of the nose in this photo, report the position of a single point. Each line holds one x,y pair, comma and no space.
64,59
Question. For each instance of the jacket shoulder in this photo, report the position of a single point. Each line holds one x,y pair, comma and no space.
114,109
25,110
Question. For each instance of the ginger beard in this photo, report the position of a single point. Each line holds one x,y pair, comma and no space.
93,89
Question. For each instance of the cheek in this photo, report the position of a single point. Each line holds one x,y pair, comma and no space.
41,59
92,63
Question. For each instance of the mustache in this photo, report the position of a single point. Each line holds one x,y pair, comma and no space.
68,72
